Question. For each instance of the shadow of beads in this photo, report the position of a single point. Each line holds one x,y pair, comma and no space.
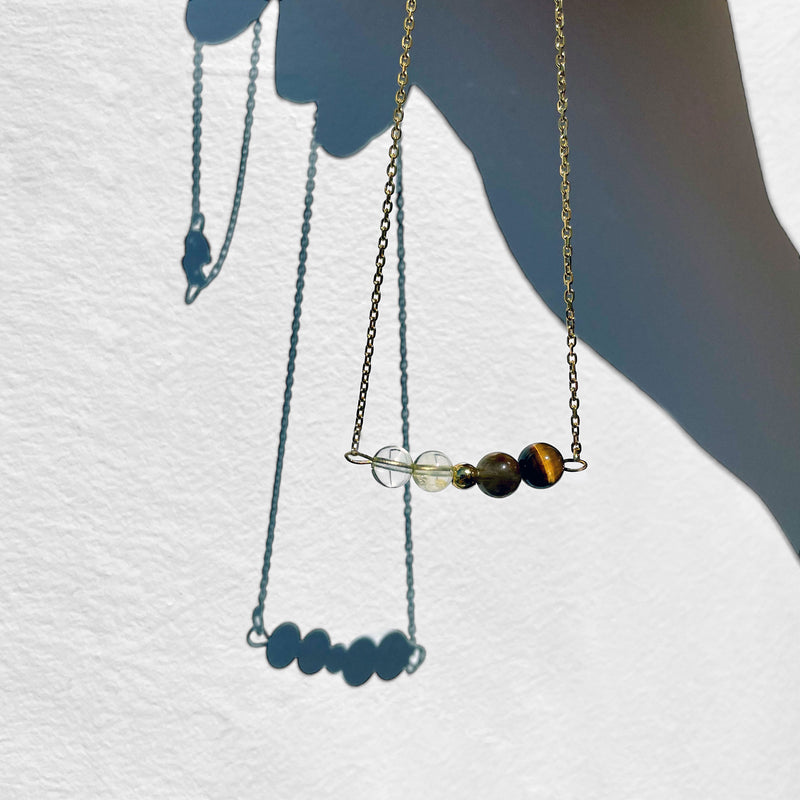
357,663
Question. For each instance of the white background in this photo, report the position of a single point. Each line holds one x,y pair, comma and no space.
632,633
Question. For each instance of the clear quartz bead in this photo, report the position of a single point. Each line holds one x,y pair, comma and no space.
433,471
391,466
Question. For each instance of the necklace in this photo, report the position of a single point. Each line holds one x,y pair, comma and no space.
197,252
396,652
539,465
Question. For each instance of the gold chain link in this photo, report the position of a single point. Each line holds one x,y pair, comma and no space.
566,230
380,261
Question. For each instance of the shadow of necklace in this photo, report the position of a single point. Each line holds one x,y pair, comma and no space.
197,251
396,652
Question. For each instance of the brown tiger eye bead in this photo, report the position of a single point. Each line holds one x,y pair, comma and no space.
464,476
498,474
541,465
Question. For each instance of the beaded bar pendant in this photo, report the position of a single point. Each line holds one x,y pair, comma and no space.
539,465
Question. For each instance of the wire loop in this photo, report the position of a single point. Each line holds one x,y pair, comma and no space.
357,457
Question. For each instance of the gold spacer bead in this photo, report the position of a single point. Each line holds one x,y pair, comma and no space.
464,476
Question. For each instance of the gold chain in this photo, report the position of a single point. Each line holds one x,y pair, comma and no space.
566,230
380,261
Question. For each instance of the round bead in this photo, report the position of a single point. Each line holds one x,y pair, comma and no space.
464,476
433,471
391,466
498,474
541,465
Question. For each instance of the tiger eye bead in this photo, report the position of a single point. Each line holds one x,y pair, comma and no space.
464,476
498,474
541,465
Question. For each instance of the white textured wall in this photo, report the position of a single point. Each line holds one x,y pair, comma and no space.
631,634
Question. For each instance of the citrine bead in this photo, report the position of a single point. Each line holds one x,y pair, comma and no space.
541,465
498,474
433,471
464,476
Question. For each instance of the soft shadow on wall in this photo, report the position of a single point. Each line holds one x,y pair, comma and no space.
683,274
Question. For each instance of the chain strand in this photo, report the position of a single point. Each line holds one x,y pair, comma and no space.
566,230
389,188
